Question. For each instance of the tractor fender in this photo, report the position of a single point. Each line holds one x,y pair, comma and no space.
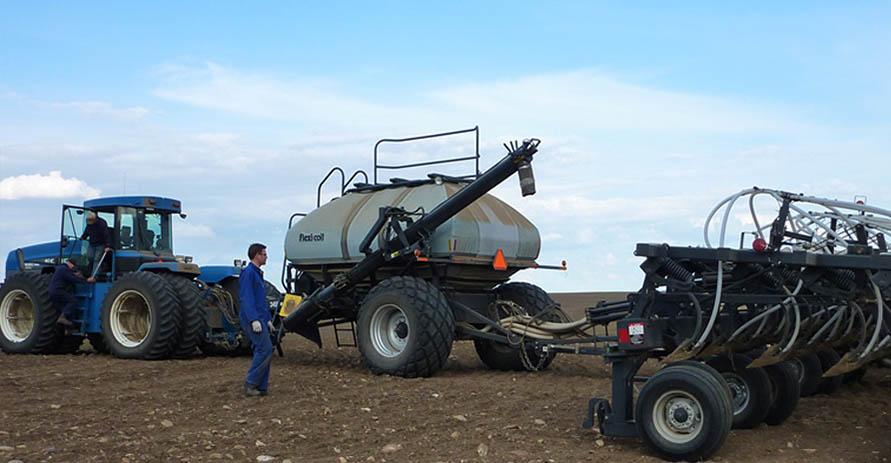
172,267
214,274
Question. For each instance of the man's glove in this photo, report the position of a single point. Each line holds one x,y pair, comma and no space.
271,326
256,326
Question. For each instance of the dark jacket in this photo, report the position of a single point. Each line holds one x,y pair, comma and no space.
252,297
63,280
98,233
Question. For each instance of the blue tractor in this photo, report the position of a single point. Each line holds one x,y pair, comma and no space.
147,303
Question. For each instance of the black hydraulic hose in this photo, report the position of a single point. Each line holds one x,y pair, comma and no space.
424,227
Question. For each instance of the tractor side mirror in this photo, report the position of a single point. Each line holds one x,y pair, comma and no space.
182,216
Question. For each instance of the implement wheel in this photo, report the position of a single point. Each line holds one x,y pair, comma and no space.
140,317
27,315
750,389
499,356
405,328
786,391
831,384
810,373
682,413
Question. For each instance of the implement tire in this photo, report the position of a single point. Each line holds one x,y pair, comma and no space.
192,325
27,315
405,328
499,356
750,388
786,391
831,384
141,317
810,373
682,413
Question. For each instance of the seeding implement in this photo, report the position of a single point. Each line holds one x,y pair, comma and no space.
411,265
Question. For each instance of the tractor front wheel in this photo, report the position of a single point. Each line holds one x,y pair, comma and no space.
141,317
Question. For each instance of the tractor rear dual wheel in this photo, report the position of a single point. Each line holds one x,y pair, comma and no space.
192,323
141,317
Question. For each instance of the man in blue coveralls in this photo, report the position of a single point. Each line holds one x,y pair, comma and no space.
256,321
60,290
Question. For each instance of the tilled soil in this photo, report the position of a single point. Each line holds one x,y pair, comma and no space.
325,406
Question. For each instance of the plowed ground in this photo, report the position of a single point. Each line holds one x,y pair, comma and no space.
325,406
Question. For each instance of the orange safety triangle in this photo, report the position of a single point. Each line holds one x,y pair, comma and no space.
499,263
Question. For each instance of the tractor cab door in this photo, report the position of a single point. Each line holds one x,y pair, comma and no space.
74,220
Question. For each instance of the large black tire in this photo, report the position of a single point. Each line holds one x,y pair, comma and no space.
728,394
405,328
810,373
786,391
682,413
27,315
141,317
499,356
831,384
750,389
193,321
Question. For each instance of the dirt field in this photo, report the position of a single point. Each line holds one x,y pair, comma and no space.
325,406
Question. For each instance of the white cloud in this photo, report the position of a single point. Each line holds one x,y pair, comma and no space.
100,109
259,95
189,230
45,186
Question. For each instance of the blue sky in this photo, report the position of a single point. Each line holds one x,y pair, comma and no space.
649,113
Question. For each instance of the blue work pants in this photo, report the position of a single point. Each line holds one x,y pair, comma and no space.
65,304
258,373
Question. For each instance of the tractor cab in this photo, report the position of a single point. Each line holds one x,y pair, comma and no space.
140,229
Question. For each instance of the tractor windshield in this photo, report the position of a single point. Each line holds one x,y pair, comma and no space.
143,230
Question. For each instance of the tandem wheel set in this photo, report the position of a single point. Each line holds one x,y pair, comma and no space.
401,269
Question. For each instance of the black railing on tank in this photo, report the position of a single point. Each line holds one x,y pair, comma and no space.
475,157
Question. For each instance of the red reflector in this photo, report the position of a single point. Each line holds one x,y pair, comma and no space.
176,204
499,263
623,336
759,244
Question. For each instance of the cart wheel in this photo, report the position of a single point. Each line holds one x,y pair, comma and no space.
786,390
749,387
405,328
682,413
498,356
